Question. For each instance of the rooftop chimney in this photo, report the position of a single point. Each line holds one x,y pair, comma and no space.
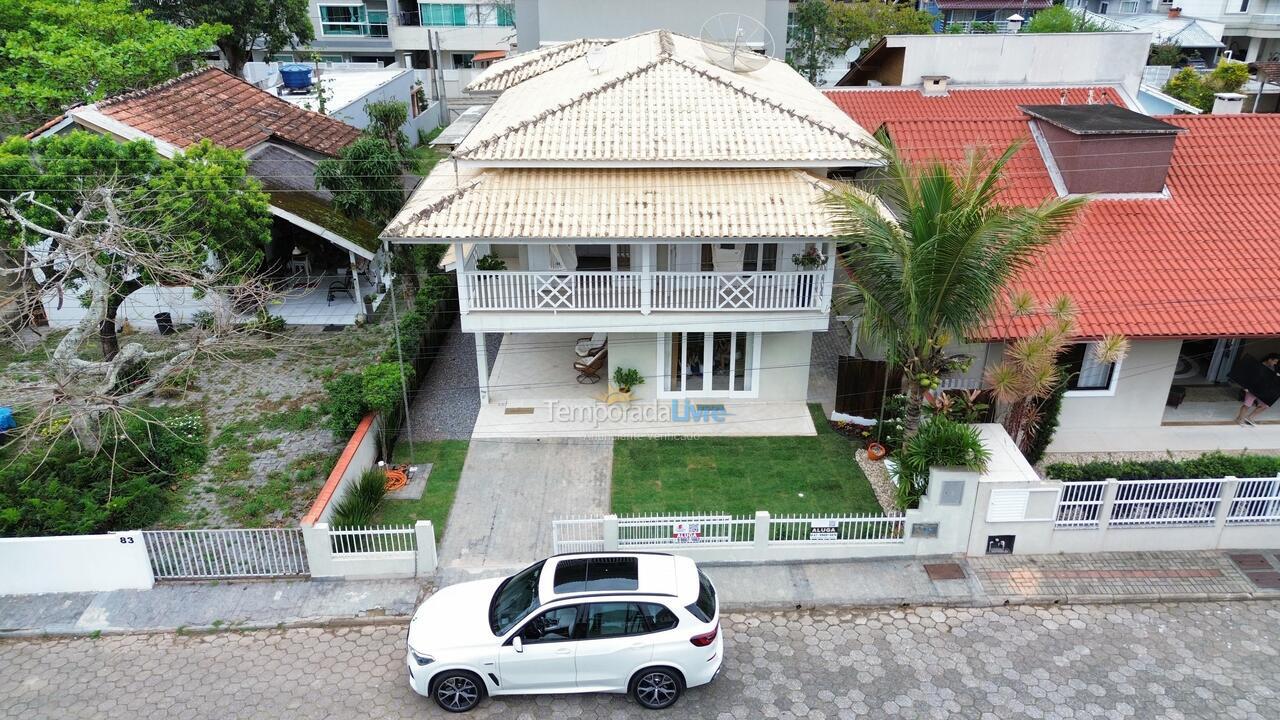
1175,12
1104,148
934,85
1228,103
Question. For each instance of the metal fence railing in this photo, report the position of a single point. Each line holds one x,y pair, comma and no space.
1257,502
835,528
375,539
1080,504
211,554
577,535
660,530
1166,502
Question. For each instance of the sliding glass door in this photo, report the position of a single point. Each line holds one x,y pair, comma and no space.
712,364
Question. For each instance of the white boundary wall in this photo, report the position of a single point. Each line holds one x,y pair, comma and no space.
1012,500
327,561
74,563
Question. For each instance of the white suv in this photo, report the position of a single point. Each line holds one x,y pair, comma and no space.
642,623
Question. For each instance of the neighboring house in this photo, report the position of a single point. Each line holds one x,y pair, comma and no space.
323,260
652,204
1199,38
982,16
348,87
1048,59
1250,29
1167,253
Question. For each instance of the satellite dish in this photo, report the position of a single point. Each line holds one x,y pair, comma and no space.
736,42
595,59
853,53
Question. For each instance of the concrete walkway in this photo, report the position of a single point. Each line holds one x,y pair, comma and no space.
885,582
509,493
215,605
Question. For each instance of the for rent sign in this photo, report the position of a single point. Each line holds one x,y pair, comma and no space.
687,532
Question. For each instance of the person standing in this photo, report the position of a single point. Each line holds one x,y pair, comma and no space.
1253,406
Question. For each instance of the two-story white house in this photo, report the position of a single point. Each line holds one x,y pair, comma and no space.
635,205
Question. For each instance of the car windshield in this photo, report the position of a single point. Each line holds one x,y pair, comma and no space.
514,599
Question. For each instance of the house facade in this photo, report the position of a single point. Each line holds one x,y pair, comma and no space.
1166,254
634,205
325,263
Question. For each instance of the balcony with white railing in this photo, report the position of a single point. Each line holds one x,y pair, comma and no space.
645,292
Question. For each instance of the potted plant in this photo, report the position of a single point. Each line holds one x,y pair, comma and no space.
491,262
811,259
368,306
625,380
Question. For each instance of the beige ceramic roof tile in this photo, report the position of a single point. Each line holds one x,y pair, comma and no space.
657,98
518,68
540,203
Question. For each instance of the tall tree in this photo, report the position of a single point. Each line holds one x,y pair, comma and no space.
931,273
197,205
102,217
56,53
863,22
810,47
271,24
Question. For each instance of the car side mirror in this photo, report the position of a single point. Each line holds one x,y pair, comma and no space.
518,644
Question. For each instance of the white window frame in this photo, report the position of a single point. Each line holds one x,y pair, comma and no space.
1130,7
1110,390
363,25
664,365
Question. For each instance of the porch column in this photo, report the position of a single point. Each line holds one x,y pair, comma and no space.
646,278
830,289
355,285
1255,49
482,368
460,271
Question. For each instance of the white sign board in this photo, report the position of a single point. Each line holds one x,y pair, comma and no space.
687,532
824,530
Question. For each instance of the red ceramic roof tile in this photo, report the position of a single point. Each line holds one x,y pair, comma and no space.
214,104
871,107
1199,263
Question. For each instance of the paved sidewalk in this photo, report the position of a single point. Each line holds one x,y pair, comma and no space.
202,606
885,582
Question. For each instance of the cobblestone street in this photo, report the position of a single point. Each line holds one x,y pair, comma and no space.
1104,661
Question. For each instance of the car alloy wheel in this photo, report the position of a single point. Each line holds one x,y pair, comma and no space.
657,689
457,693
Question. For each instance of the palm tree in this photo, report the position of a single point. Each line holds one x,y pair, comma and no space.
929,264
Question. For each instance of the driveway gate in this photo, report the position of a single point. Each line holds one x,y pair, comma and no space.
206,554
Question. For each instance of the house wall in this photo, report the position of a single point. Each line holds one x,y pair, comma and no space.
639,351
563,20
1039,58
784,366
1141,391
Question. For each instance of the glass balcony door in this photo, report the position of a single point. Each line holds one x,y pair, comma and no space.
710,364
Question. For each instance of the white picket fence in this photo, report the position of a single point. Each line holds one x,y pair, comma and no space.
761,531
372,539
1167,503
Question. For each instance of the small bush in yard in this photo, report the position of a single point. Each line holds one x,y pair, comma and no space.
345,403
362,501
940,442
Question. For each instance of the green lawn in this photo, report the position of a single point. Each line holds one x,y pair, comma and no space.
741,475
447,457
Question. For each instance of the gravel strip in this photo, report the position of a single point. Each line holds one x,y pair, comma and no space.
449,401
878,476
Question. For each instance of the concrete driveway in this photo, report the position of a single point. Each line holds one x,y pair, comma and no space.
510,491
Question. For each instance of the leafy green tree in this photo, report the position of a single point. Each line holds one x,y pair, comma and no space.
56,53
200,203
1190,86
1060,19
272,24
931,273
864,22
1166,53
811,47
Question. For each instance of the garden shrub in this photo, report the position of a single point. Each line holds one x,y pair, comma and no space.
1049,410
360,503
1210,465
60,489
940,442
345,403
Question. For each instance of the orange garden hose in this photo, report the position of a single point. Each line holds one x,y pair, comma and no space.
396,478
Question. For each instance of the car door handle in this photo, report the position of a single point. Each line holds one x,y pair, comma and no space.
563,651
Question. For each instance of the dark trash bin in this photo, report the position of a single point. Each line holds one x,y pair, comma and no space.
164,323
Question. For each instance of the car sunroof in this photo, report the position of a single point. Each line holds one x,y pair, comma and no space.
596,575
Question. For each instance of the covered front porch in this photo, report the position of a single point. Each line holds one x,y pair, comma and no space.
540,386
1202,392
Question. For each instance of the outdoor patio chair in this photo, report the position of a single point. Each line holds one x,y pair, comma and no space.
340,286
589,371
588,346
